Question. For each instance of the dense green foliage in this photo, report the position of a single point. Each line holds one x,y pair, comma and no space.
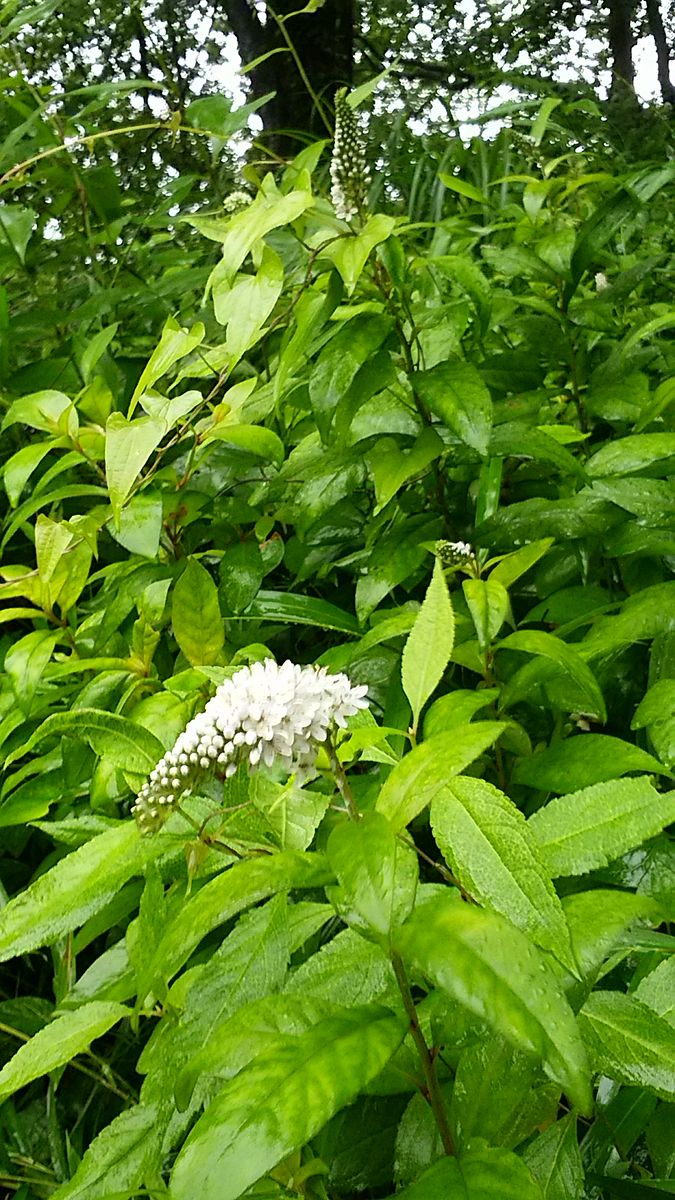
441,968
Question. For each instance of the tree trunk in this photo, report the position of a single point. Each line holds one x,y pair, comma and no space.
620,34
655,21
323,44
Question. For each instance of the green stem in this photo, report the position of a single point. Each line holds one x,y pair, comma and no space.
341,780
433,1091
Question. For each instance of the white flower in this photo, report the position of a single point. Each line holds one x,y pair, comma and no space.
348,169
264,714
601,282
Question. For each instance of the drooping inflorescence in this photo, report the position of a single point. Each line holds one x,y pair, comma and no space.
348,169
263,714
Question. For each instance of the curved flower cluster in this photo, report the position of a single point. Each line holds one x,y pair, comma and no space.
263,714
236,201
348,170
454,554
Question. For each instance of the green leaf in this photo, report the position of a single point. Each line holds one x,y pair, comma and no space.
377,875
128,446
250,439
599,228
429,645
57,1043
392,467
417,778
174,344
498,1094
245,305
123,742
195,615
80,885
240,233
275,1105
350,254
241,573
630,455
347,970
534,641
118,1159
494,970
300,610
339,362
455,392
629,1043
555,1161
234,889
456,708
462,187
488,603
490,848
583,760
585,830
25,663
657,990
536,133
16,228
512,566
19,468
598,921
482,1173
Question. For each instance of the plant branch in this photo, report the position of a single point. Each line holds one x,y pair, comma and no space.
433,1091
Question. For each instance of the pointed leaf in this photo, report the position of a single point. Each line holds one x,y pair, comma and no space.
377,875
195,615
128,446
455,392
534,641
584,830
555,1161
429,645
482,1173
275,1105
414,781
118,1159
487,843
490,967
57,1043
629,1042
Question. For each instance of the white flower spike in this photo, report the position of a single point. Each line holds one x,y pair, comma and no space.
264,714
348,169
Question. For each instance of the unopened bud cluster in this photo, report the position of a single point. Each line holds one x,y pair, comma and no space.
455,554
264,714
348,169
236,201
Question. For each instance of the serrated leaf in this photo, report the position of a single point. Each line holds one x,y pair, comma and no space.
118,1159
487,964
429,645
221,898
486,842
584,830
629,1042
555,1161
657,990
417,778
281,1100
377,875
57,1043
80,885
